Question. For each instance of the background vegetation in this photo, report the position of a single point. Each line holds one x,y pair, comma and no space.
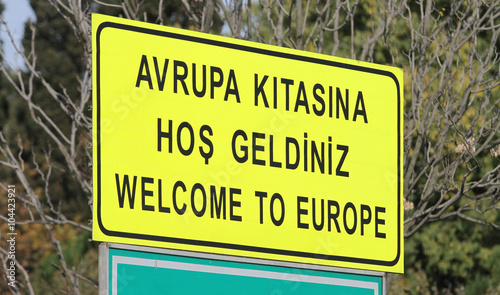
449,51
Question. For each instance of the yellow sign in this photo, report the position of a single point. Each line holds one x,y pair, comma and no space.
211,144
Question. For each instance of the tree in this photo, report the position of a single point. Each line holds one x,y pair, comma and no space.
449,51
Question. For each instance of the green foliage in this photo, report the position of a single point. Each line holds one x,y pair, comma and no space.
173,13
479,285
75,248
59,59
452,256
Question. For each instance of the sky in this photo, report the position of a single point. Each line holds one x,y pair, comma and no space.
15,14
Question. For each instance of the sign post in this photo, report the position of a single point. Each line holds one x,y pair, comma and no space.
215,145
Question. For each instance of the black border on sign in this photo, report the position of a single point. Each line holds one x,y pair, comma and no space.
246,48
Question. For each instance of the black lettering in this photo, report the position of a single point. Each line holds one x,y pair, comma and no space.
261,196
160,206
288,141
145,193
360,108
351,230
140,76
272,163
321,224
330,155
365,220
330,101
260,90
233,203
301,211
279,221
161,81
256,147
302,102
332,216
275,92
305,151
208,142
180,184
200,93
345,150
315,156
287,83
180,77
340,103
220,206
318,98
167,135
199,187
189,150
126,186
243,148
231,80
378,222
215,83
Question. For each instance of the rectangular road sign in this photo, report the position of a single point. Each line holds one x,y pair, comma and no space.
130,271
211,144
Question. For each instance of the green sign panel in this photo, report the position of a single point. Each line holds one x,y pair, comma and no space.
136,272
